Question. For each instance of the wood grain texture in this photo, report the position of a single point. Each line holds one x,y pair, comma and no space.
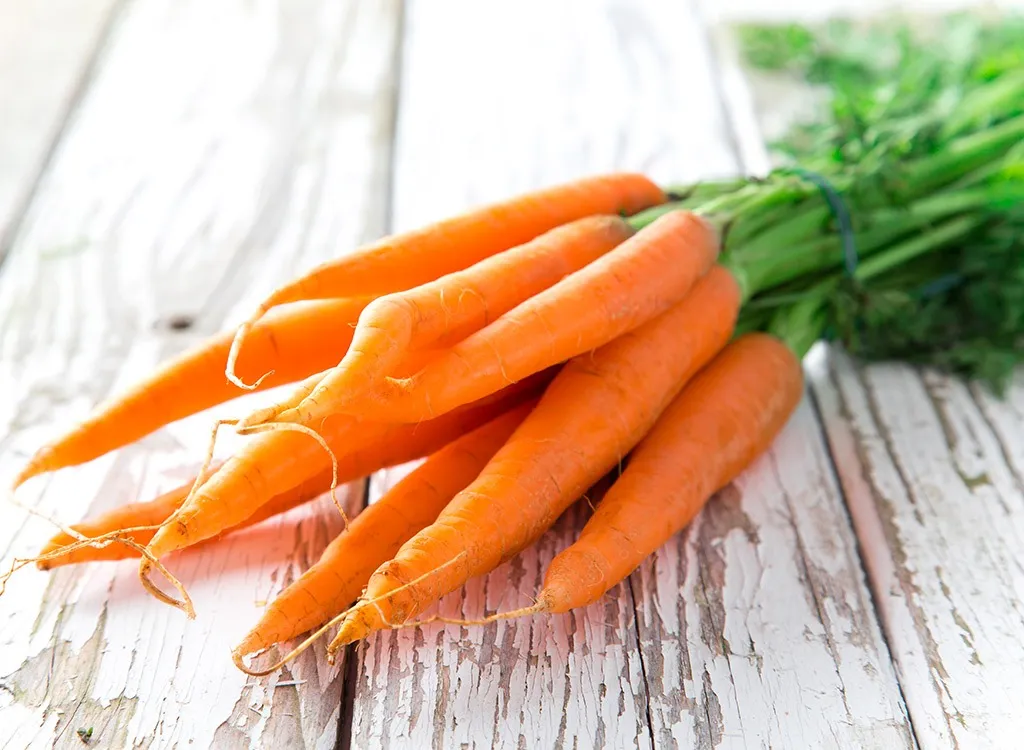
931,470
46,53
221,147
806,658
932,473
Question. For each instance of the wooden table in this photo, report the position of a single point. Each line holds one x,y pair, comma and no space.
164,163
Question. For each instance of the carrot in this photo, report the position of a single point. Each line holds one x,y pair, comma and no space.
293,343
376,534
715,428
276,462
595,410
635,282
407,260
445,311
148,516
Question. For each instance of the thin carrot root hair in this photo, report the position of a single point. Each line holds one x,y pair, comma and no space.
98,542
148,560
237,657
204,470
101,541
333,648
119,536
236,349
272,412
274,426
185,602
534,609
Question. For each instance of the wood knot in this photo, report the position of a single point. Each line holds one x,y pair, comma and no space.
181,322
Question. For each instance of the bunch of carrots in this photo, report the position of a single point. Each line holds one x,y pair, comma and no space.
528,348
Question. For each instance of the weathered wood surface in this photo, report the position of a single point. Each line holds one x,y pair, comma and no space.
47,51
934,480
756,628
220,147
189,183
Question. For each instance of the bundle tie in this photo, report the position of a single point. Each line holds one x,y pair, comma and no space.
844,225
840,213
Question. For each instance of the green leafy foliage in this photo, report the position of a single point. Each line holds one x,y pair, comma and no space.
922,116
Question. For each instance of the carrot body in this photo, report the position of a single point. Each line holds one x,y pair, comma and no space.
277,461
158,510
598,407
635,282
447,310
293,343
413,258
376,534
724,419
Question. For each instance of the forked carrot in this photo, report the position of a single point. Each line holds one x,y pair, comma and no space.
293,343
593,413
407,260
724,419
277,461
447,310
148,516
637,281
375,535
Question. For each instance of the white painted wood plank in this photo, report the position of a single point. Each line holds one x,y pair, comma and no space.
592,87
45,53
222,147
932,477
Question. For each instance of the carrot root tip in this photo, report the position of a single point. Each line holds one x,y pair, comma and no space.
184,604
237,656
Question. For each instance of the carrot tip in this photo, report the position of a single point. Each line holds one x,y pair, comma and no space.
351,630
237,657
236,348
32,469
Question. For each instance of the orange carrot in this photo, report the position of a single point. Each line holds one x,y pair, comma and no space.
724,419
598,407
447,310
407,260
293,343
635,282
376,534
153,513
277,461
